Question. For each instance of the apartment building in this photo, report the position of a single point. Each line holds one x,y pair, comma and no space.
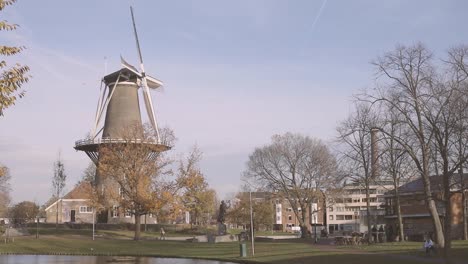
286,219
347,211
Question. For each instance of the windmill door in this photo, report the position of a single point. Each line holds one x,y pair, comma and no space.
72,216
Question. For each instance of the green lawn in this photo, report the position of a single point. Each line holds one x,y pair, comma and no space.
278,252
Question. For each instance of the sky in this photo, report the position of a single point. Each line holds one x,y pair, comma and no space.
235,73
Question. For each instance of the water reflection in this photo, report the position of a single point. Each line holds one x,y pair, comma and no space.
33,259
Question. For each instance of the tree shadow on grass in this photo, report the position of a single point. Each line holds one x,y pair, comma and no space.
357,259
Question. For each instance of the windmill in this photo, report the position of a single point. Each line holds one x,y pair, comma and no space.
120,102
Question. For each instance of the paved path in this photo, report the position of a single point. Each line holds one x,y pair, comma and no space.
328,245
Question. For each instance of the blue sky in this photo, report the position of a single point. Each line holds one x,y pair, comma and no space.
235,72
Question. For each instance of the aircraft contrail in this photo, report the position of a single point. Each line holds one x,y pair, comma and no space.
318,14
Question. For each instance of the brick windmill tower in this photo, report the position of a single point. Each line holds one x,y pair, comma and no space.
120,102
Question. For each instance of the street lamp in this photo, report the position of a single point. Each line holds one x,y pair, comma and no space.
94,220
37,226
251,224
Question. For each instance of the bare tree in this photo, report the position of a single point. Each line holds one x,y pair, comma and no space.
297,167
457,58
395,161
354,134
428,104
134,175
58,184
408,76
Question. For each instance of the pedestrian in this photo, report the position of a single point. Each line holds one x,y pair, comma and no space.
429,246
163,234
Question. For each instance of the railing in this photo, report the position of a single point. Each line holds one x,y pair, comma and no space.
83,142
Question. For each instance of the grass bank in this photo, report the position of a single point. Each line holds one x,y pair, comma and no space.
277,252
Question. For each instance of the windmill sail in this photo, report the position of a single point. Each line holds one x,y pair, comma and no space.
146,93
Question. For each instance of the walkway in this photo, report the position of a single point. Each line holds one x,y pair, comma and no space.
328,245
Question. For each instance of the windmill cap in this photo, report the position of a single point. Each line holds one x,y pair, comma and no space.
132,76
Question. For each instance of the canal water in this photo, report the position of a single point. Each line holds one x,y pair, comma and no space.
43,259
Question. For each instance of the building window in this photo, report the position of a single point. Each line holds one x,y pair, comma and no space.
330,209
86,209
356,200
278,210
289,217
278,218
115,211
348,217
340,217
330,217
289,209
128,213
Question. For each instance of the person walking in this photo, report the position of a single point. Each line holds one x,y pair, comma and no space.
163,234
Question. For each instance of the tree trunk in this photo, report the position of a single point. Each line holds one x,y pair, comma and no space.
448,216
398,211
56,215
431,205
439,234
464,204
137,227
448,228
463,199
369,226
304,229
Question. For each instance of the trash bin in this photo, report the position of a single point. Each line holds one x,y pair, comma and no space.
243,250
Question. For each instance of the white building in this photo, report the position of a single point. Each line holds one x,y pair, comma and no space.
347,211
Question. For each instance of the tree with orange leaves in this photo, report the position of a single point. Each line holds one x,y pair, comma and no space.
197,198
134,176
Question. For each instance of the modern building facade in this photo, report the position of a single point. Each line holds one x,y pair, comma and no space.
347,211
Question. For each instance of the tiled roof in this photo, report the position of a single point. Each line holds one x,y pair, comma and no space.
81,191
436,184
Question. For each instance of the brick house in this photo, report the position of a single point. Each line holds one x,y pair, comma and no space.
286,219
416,217
74,208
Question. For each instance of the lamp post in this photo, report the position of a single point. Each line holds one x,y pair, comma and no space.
251,224
37,226
94,220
